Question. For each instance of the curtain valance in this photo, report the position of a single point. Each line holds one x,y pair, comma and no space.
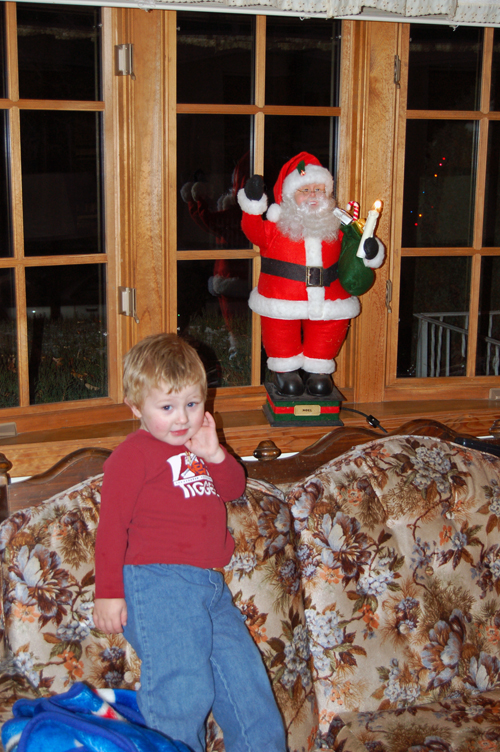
451,12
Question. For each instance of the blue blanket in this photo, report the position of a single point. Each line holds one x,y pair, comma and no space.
83,720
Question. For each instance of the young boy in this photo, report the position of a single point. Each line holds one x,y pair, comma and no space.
161,533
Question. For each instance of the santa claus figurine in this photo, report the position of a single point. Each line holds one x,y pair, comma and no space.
310,274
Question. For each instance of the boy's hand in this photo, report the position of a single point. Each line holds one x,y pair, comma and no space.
110,614
205,442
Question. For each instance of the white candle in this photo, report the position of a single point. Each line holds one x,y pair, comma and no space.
369,228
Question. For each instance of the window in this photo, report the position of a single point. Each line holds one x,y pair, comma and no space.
446,270
234,120
53,260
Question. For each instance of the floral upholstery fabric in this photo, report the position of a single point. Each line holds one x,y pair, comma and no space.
399,547
372,589
48,636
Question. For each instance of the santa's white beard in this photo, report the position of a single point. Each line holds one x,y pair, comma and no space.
306,220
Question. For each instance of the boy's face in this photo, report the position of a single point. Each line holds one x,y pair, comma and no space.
173,417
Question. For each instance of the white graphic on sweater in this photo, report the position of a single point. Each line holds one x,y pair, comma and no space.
190,473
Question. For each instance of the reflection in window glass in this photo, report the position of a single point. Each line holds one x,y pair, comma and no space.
444,69
3,61
302,62
5,214
58,48
433,317
440,175
495,72
215,58
491,227
287,136
9,388
488,335
213,163
67,337
61,171
213,314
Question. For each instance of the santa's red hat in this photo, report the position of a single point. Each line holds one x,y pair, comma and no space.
303,169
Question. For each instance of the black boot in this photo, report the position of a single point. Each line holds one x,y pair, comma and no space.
318,384
289,384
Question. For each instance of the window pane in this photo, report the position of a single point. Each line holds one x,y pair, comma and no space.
9,388
433,317
495,73
440,175
3,62
61,168
444,67
302,62
6,248
491,228
214,314
215,58
488,336
288,136
59,49
212,164
67,344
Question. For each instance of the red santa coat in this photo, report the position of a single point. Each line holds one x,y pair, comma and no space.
281,298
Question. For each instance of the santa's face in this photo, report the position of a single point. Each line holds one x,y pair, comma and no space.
311,194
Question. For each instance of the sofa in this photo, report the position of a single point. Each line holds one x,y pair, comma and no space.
371,587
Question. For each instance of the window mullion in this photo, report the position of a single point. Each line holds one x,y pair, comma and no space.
11,48
473,315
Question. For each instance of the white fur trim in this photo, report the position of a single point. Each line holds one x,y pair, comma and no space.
313,174
319,365
199,191
273,213
186,194
314,256
285,365
249,206
232,286
292,310
316,300
378,260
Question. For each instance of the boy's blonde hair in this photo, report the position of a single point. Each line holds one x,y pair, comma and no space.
161,358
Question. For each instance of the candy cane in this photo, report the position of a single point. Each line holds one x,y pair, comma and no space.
355,209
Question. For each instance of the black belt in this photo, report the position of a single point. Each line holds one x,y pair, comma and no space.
313,276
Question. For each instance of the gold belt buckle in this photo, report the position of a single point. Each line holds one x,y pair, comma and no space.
314,276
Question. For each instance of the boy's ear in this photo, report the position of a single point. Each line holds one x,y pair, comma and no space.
134,409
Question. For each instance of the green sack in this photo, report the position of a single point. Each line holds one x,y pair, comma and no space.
354,276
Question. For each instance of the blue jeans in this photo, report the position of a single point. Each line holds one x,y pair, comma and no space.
197,655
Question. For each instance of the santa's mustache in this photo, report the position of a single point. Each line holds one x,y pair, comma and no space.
312,218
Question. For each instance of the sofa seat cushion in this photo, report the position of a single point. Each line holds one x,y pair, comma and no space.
399,549
464,724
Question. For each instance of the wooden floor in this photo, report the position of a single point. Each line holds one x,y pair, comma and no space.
241,431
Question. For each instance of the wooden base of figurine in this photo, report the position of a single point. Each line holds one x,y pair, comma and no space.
282,410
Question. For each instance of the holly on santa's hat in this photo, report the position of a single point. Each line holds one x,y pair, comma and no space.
303,169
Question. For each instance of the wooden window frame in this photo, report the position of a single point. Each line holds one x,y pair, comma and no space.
469,386
36,414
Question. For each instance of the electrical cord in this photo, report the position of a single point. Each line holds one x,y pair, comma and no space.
370,419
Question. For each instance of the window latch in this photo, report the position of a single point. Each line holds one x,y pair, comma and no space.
397,71
388,295
124,60
127,302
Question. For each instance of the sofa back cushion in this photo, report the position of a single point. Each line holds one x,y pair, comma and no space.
399,550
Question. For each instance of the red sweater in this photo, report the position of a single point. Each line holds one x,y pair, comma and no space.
160,504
